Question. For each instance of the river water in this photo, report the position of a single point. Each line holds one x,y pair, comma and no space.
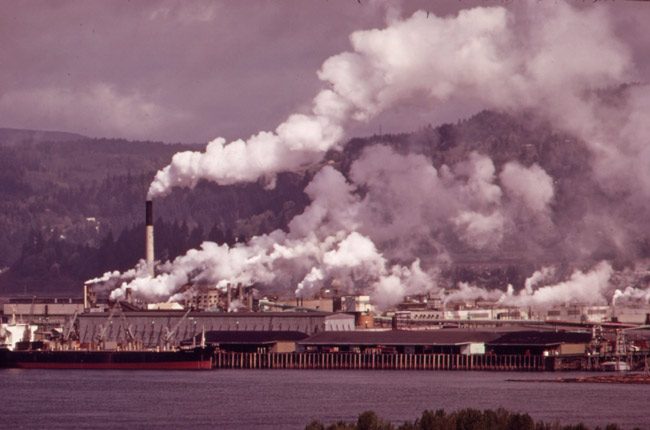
269,399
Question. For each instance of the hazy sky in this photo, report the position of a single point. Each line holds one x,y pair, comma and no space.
191,71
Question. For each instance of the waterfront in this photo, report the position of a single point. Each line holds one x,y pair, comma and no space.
263,399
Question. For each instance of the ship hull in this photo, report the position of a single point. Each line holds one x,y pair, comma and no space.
196,359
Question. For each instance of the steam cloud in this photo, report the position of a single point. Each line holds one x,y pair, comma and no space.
397,220
477,55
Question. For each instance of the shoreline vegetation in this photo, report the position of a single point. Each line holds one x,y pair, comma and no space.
464,419
631,378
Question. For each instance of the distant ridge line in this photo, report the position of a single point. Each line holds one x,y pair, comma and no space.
16,136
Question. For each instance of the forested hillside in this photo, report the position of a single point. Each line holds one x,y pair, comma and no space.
72,209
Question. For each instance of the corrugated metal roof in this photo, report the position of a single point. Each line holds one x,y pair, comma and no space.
541,338
46,300
168,313
251,337
401,337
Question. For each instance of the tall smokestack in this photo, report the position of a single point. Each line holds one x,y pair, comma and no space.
85,297
149,236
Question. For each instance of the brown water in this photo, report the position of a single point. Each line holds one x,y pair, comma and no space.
268,399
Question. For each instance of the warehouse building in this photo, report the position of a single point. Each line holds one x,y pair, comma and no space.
447,341
44,311
249,341
157,328
541,343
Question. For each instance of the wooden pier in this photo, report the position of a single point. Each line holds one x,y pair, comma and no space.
358,361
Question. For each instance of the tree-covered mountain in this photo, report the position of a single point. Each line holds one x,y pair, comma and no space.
73,208
70,210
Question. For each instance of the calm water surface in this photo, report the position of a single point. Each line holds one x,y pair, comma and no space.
268,399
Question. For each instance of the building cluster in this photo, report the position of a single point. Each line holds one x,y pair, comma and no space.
236,319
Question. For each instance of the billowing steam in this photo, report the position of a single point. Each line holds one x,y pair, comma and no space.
392,226
633,284
320,247
582,287
532,186
586,288
479,55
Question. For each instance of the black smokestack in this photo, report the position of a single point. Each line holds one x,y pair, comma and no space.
149,212
149,255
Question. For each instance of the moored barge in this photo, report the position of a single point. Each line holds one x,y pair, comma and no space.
200,358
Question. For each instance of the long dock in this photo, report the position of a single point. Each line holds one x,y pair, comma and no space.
356,361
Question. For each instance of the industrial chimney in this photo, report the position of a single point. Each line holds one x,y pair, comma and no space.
149,237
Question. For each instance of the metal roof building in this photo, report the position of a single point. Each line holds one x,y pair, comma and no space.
250,341
452,341
541,342
42,310
151,328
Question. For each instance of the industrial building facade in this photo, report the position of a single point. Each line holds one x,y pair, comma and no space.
42,310
153,328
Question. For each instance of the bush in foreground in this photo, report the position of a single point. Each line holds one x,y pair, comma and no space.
465,419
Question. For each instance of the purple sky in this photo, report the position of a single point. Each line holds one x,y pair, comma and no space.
192,71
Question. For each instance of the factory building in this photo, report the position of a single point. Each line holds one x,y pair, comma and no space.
324,304
232,298
357,305
578,313
44,311
632,314
157,328
500,313
353,303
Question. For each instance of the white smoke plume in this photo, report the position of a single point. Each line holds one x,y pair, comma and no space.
104,278
469,293
591,288
320,248
583,287
387,230
537,277
480,54
406,204
400,281
409,204
633,284
631,295
532,186
109,281
335,237
480,231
